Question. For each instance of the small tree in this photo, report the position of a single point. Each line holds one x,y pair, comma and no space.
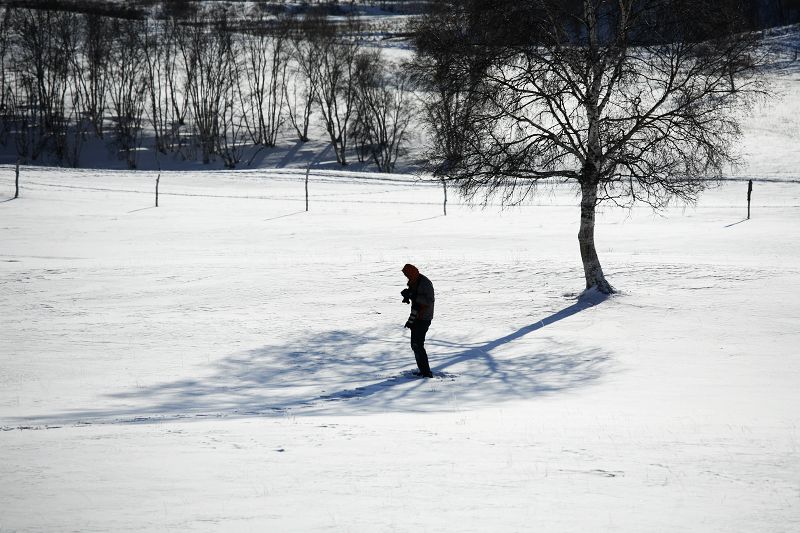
127,86
177,81
207,54
302,88
265,60
448,98
5,31
158,49
384,109
337,83
92,69
44,45
232,123
631,100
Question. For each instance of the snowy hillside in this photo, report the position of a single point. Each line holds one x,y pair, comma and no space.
228,361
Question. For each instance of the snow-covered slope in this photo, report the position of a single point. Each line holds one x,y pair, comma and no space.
228,361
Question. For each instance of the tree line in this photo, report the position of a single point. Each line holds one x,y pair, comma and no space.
204,87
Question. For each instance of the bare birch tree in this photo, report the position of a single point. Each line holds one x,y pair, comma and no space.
631,100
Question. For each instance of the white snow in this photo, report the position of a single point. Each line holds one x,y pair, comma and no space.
228,361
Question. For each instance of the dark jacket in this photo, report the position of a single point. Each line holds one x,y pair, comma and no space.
422,298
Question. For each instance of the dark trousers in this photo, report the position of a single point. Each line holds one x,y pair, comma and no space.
418,330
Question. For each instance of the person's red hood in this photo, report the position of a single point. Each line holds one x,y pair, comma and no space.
411,272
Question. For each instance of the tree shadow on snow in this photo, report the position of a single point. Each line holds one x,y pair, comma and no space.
348,372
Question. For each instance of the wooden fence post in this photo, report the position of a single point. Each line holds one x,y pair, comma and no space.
308,170
158,180
444,186
749,194
16,182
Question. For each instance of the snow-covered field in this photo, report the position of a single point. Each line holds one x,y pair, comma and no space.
228,361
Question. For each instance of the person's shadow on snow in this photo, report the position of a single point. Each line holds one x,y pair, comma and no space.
481,376
344,372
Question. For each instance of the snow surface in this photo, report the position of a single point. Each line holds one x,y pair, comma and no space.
228,361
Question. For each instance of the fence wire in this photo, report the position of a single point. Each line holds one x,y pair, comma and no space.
325,186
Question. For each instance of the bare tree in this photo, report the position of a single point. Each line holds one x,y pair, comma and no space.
384,109
302,87
158,47
336,82
177,77
448,81
5,41
91,69
128,87
631,100
232,122
167,82
266,56
44,45
207,53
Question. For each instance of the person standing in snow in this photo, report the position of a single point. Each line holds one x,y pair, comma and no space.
420,295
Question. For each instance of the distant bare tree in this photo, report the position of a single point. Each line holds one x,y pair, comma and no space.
166,83
384,109
232,123
127,85
44,46
337,82
158,49
265,60
91,69
5,41
448,81
302,88
632,100
177,78
207,54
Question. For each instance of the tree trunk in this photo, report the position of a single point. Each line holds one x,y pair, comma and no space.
591,263
595,279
